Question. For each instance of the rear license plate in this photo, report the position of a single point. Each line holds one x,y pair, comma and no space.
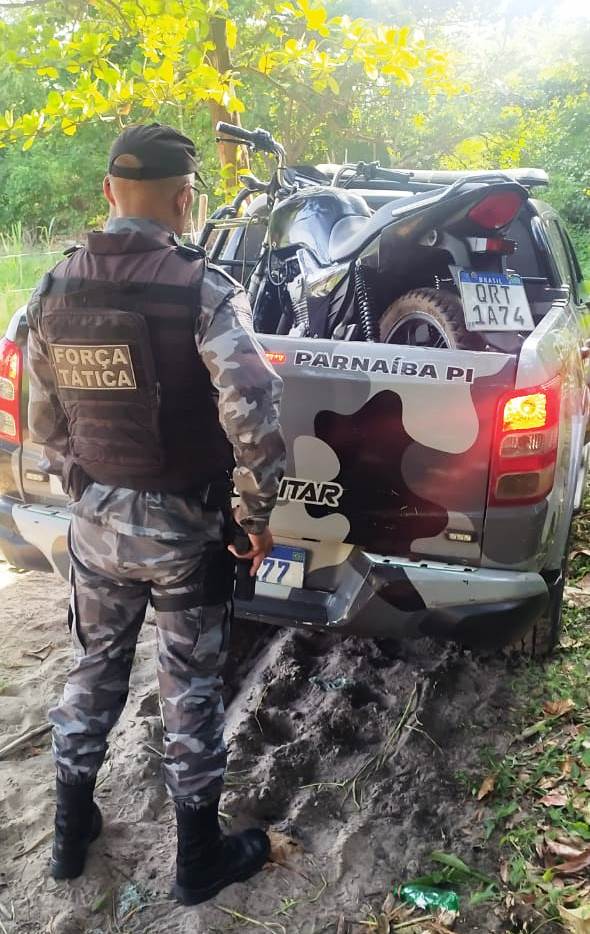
494,302
284,566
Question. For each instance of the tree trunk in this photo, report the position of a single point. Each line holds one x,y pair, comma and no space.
229,154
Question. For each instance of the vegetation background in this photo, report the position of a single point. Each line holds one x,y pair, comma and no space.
421,84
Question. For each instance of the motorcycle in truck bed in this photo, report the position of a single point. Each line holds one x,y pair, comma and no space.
434,411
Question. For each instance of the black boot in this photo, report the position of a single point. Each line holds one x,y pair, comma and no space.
207,860
78,822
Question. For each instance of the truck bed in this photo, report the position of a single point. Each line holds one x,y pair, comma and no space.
388,447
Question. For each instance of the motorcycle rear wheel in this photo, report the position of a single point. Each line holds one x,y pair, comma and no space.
428,318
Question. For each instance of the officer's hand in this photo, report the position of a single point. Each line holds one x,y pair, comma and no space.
261,546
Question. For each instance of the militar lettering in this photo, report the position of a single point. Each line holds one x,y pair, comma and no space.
310,491
396,366
99,366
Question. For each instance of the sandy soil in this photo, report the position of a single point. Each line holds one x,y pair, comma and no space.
407,720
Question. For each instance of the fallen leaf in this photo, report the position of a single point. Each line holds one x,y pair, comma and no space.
282,848
487,786
382,924
584,583
571,896
579,551
565,850
575,596
515,819
446,917
577,920
504,871
554,800
568,643
41,653
558,708
567,767
342,926
575,864
582,805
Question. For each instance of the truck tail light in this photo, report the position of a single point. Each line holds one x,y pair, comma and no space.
274,357
499,245
525,446
496,210
11,369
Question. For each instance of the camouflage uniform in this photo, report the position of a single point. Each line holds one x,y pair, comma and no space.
128,546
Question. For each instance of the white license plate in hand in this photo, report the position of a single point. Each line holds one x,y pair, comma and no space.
284,566
494,302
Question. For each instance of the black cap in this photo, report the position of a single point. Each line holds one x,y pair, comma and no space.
161,150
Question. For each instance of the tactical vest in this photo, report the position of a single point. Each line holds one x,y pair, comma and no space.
118,317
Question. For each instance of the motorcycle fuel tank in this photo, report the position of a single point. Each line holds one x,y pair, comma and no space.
308,218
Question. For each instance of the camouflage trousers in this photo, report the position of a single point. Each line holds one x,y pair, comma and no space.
114,574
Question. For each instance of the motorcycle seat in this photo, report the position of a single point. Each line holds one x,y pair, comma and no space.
351,234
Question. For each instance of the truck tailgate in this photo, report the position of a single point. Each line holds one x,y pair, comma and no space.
388,447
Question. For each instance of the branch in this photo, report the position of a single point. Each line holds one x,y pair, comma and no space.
24,738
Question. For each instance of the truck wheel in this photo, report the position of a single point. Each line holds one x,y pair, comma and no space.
428,318
541,640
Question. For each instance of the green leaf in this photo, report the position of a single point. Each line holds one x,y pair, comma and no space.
166,71
231,33
401,74
107,72
235,105
53,103
101,901
265,63
316,18
488,894
454,862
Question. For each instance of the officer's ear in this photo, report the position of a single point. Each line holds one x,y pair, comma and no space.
184,200
106,190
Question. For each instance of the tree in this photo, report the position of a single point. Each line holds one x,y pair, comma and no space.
129,61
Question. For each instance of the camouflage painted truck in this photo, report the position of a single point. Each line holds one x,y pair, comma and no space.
429,488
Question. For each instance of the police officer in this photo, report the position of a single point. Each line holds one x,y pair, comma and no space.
144,375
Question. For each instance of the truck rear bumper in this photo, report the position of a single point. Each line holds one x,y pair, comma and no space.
17,550
394,597
377,596
33,537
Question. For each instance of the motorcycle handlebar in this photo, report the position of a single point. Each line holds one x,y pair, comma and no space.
236,132
259,138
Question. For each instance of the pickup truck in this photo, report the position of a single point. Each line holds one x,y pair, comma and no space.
428,492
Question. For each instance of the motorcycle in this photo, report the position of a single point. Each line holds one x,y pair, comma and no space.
364,253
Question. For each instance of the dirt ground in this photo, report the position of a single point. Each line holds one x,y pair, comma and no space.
407,720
